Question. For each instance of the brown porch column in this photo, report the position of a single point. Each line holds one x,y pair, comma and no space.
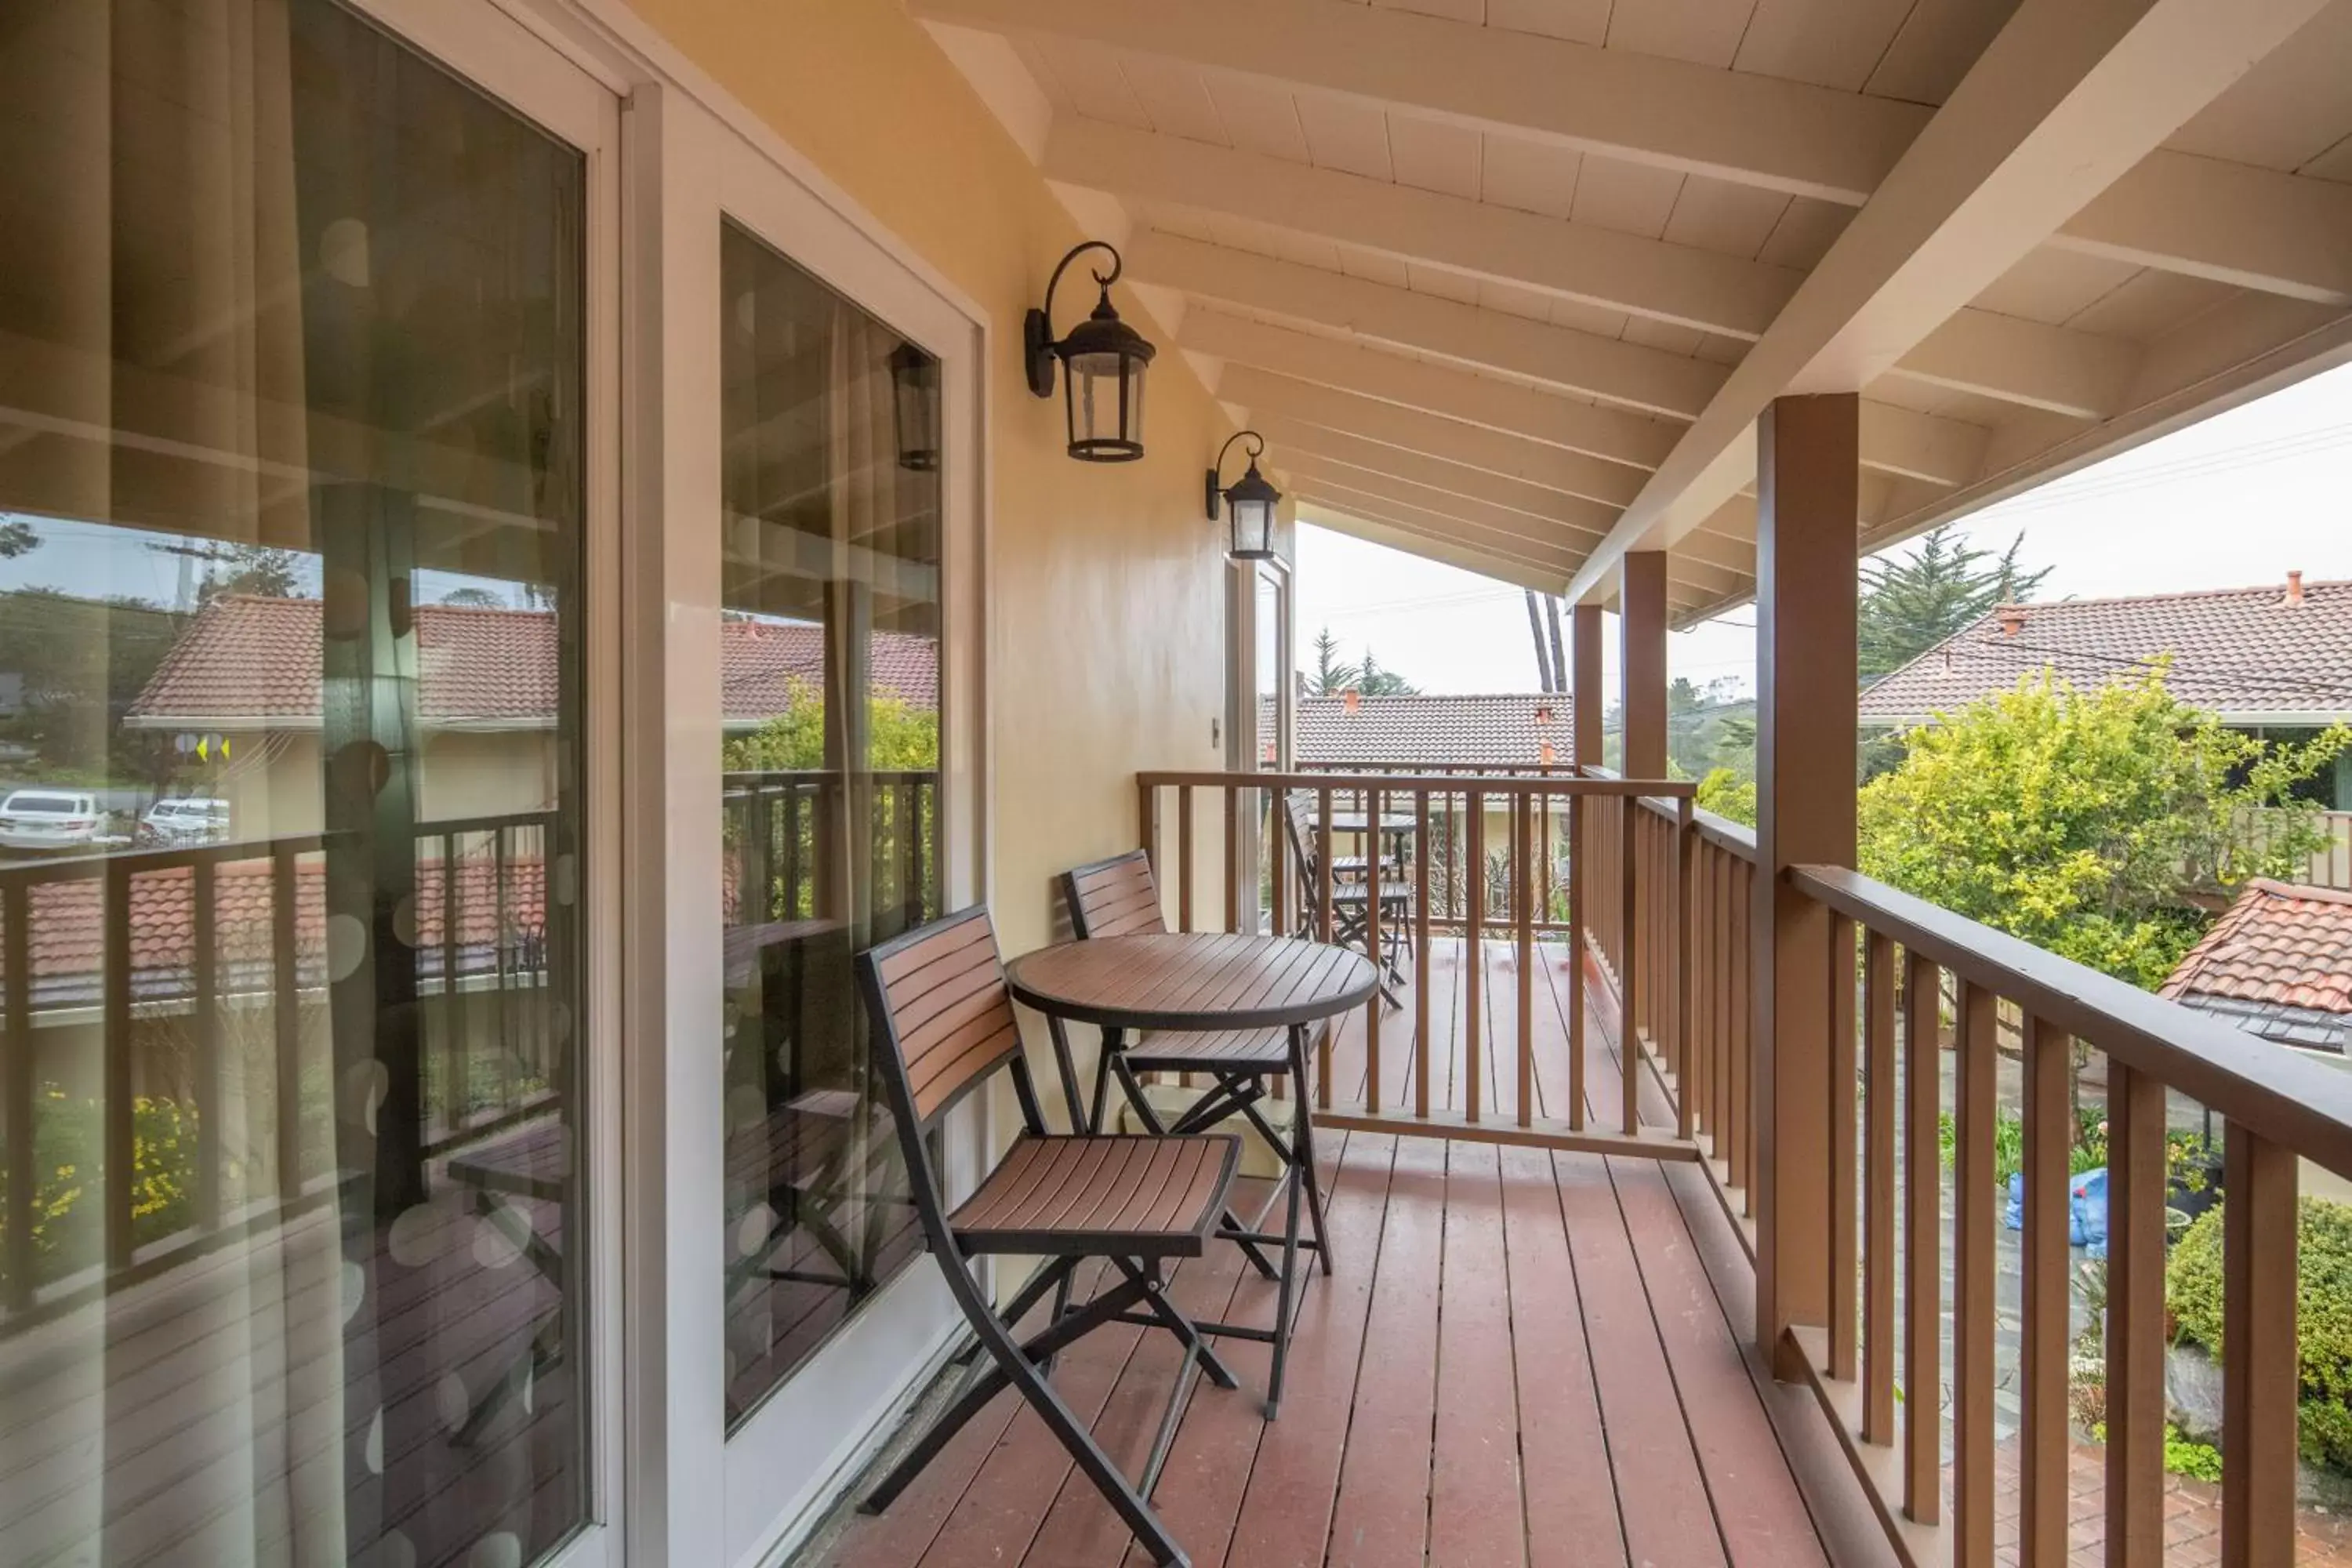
1806,709
1584,685
1641,662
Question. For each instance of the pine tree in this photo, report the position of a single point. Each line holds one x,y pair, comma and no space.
1911,602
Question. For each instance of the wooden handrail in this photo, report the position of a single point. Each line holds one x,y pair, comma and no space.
2277,1095
1486,784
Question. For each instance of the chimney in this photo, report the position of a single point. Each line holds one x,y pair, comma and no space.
1544,753
2010,619
2293,600
1353,700
1543,712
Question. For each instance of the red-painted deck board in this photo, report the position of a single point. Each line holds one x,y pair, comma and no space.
1524,1359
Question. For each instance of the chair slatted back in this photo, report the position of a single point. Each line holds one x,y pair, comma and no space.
941,1010
1114,898
1299,813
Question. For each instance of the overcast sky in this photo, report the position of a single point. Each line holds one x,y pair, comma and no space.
2231,502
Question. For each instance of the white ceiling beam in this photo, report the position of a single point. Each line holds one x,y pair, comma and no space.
2079,374
1455,393
1451,552
1508,542
1286,439
2061,103
1754,130
2258,228
1565,521
1279,398
1645,378
1608,267
1928,446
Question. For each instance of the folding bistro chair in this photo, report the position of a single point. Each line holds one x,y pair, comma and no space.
1351,925
943,1026
1117,896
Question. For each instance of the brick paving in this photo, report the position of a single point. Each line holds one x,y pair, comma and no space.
2193,1517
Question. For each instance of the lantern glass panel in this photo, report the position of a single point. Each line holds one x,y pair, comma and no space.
1102,426
1253,528
915,387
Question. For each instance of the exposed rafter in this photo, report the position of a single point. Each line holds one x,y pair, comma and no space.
1677,283
1609,368
2061,103
2258,228
1446,548
1514,458
1790,136
1290,439
1508,542
1565,521
1456,394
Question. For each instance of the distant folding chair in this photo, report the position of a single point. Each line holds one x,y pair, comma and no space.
1118,897
943,1026
1350,896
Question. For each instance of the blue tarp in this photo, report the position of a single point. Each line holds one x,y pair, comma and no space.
2086,1209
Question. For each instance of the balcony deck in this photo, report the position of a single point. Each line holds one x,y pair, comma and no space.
1525,1358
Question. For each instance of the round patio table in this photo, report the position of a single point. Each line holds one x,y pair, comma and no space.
1195,982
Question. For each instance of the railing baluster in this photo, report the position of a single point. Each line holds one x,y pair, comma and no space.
501,959
1681,865
1629,969
1277,861
1183,857
1742,1121
1923,1227
454,1088
120,1139
1878,1189
1323,932
1844,1216
1474,967
1147,828
1372,869
1232,857
205,1028
1579,865
1973,1299
2260,1371
1421,952
2047,1272
1524,887
2135,1340
18,1071
286,1008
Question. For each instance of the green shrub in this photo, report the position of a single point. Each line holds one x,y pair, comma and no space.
2193,1295
2186,1457
69,1174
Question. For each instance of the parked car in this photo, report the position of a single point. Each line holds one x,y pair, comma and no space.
191,819
49,819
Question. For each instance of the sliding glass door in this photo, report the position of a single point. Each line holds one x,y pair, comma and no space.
296,351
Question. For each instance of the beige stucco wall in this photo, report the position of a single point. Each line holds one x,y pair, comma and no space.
274,791
1108,612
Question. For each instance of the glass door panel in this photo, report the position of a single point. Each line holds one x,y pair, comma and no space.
830,798
292,376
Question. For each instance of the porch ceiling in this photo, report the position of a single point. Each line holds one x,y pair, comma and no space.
1506,282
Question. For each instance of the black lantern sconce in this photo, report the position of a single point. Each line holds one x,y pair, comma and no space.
1251,500
1103,360
915,402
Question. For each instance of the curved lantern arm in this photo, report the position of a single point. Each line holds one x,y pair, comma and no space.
1038,328
1217,469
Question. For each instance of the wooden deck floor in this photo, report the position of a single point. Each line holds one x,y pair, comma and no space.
1523,1359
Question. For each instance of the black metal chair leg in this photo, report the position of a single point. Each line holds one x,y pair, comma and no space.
1302,1148
1230,1221
1282,1298
1155,1297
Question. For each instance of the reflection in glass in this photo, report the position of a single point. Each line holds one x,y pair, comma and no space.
291,1265
830,804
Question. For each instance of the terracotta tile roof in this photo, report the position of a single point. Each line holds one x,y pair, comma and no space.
1498,729
2243,652
2280,955
68,938
253,663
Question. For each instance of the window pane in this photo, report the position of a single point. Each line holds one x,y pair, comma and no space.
830,654
291,1251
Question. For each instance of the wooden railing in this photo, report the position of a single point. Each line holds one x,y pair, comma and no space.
1488,856
783,831
2276,1108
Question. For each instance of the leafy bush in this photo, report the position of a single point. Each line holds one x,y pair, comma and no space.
2188,1457
69,1176
2193,1295
1727,794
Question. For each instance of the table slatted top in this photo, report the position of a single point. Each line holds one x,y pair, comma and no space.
1195,981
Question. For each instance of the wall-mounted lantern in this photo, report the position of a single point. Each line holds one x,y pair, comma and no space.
1103,361
915,401
1251,500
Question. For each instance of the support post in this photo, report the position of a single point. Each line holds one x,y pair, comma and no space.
1584,687
1806,711
1641,661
